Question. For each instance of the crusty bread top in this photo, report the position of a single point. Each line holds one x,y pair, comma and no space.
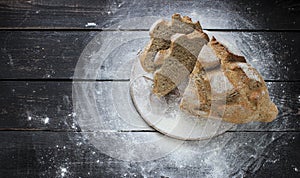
187,20
238,90
223,53
203,35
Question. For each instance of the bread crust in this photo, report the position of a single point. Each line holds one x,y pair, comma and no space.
246,100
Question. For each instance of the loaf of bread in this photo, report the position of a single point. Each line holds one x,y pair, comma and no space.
223,86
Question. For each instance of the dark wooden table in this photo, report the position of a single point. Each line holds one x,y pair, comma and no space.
41,43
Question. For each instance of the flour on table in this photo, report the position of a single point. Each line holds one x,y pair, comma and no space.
109,122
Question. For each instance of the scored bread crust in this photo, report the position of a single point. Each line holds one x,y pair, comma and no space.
240,94
221,85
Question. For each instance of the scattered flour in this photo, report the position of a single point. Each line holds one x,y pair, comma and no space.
91,24
109,126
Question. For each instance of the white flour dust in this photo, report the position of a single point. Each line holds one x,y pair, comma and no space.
37,119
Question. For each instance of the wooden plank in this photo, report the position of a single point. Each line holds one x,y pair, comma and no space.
218,14
58,154
238,14
54,54
36,54
49,106
31,105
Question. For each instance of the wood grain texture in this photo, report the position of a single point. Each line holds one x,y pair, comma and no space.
26,105
54,54
236,14
243,14
49,154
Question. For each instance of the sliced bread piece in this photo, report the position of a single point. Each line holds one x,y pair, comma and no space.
176,63
160,33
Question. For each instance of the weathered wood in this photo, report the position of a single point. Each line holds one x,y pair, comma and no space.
30,104
39,130
58,154
238,14
49,106
54,55
219,14
26,53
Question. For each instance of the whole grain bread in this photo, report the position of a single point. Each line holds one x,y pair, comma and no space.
224,86
221,85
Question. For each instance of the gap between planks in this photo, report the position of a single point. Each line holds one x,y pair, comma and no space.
120,131
104,29
98,80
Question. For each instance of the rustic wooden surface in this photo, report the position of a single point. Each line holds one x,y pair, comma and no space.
262,15
26,54
42,154
53,99
41,42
